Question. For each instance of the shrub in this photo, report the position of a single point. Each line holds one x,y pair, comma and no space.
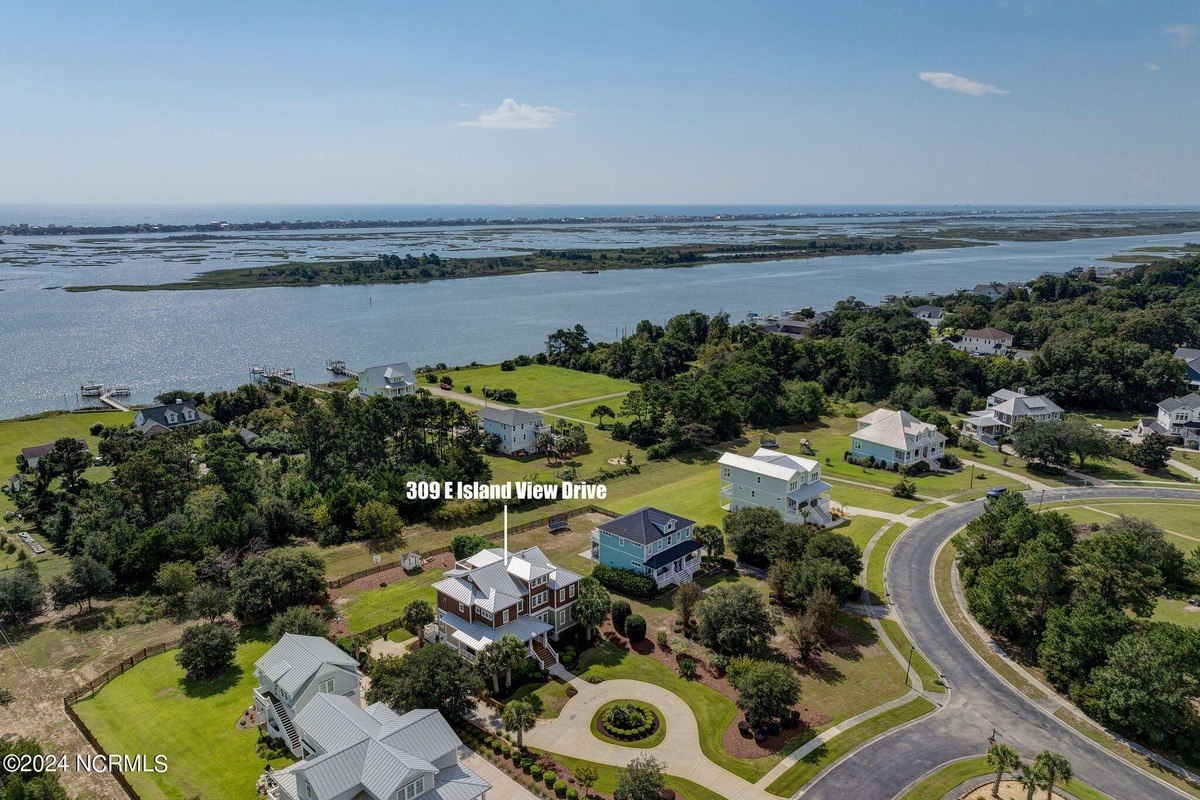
527,766
620,612
905,488
687,667
560,788
507,366
571,793
950,461
550,778
660,639
626,582
635,627
536,771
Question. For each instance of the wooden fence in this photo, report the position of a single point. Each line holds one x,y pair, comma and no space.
337,583
89,690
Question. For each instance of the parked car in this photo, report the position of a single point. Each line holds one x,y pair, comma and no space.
995,492
1126,432
444,386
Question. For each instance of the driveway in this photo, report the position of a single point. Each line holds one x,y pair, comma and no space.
503,787
980,701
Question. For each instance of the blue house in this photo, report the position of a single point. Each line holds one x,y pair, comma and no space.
651,542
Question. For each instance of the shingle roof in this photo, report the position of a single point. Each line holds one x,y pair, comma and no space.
1188,401
295,659
509,416
1187,353
897,429
40,450
645,525
933,311
664,557
987,333
158,414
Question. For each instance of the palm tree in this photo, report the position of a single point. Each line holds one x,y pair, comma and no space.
511,652
518,717
1003,759
1031,779
488,663
1054,768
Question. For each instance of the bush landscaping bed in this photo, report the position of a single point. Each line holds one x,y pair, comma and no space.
630,723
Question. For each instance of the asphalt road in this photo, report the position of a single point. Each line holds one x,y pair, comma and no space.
979,700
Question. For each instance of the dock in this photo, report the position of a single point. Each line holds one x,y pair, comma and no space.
107,398
286,376
339,368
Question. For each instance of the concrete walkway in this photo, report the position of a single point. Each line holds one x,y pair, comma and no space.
1186,469
1025,480
571,735
479,400
503,787
853,511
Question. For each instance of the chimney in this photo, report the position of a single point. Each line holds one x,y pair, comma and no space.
178,400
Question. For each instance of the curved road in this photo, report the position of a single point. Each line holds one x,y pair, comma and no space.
979,699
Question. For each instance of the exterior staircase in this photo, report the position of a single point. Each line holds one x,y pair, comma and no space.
285,721
542,652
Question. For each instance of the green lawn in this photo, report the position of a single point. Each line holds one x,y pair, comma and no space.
537,385
878,560
855,675
694,496
940,783
861,528
808,767
1177,611
596,460
926,672
606,780
844,494
370,607
547,698
152,709
583,411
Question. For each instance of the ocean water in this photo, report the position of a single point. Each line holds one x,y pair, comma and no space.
204,340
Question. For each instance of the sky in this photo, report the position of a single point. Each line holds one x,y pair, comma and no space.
1053,102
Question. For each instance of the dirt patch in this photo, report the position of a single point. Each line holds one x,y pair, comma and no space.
1009,790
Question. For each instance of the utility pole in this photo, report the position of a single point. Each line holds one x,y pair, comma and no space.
908,666
972,484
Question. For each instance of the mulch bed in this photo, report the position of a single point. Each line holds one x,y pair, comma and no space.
733,741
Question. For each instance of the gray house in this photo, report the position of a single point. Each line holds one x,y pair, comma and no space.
518,430
388,380
1190,356
294,672
373,753
161,419
1005,408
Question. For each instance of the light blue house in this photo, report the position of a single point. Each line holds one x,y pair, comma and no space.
517,430
769,479
896,438
650,542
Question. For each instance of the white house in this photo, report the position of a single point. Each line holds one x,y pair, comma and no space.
1004,409
517,429
294,672
1190,357
994,290
373,753
896,438
986,341
931,314
388,380
770,479
1178,417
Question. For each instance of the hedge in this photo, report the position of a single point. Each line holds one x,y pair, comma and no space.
626,582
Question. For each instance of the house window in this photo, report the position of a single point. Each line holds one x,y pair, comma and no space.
461,608
520,606
506,615
562,595
412,790
571,591
308,790
326,687
539,598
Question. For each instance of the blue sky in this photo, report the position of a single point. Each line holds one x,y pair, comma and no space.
532,102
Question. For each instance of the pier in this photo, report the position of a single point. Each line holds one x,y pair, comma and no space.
339,368
285,376
107,398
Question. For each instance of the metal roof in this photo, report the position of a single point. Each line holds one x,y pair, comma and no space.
509,416
769,463
303,657
896,429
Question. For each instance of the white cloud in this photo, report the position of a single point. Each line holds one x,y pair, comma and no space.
513,116
1153,67
957,83
1184,35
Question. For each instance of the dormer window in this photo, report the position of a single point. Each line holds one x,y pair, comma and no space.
188,414
411,790
172,417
